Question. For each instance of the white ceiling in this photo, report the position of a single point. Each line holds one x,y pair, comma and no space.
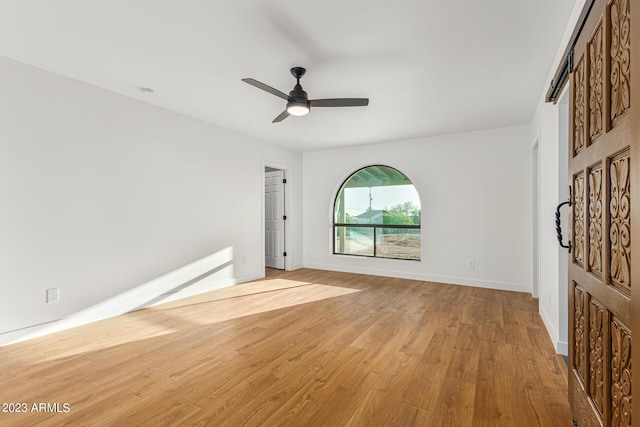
429,67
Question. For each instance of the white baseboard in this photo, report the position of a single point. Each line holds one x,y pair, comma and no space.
117,307
561,347
463,281
297,266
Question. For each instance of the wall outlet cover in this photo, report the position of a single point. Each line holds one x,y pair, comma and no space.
53,295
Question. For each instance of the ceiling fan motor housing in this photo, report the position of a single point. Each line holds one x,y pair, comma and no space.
298,103
298,97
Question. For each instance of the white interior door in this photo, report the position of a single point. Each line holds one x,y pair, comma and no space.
274,219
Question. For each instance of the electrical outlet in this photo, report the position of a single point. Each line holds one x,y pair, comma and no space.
471,264
53,295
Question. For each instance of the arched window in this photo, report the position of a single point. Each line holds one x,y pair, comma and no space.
377,214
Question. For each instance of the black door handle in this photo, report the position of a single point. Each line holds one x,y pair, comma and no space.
559,225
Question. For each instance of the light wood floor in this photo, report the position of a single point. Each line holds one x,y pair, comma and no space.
303,348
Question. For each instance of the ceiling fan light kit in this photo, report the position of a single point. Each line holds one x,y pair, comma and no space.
298,109
298,103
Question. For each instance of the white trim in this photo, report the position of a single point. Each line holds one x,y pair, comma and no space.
535,218
551,330
127,302
451,280
562,347
563,194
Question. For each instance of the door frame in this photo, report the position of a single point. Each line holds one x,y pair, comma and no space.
535,219
563,194
287,209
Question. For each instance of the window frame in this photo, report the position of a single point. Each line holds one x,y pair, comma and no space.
374,226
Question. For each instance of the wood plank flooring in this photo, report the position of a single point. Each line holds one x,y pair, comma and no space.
303,348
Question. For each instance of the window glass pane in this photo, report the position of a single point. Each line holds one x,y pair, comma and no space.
401,243
371,201
354,240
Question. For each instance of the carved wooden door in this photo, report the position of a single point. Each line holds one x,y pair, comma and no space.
603,169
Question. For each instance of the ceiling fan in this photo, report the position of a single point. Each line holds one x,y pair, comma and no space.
298,103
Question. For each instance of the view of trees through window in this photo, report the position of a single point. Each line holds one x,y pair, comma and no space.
377,213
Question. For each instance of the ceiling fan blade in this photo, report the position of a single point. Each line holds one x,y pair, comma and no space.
266,88
281,117
339,102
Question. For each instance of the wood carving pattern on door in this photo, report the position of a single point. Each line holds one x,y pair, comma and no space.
596,355
578,219
580,355
578,108
595,221
620,227
619,11
596,84
604,173
620,374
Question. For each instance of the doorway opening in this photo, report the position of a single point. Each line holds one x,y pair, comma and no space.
275,225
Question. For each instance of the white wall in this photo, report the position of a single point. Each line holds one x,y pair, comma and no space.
116,203
475,190
546,127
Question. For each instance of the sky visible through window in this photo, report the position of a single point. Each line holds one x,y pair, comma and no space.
357,199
